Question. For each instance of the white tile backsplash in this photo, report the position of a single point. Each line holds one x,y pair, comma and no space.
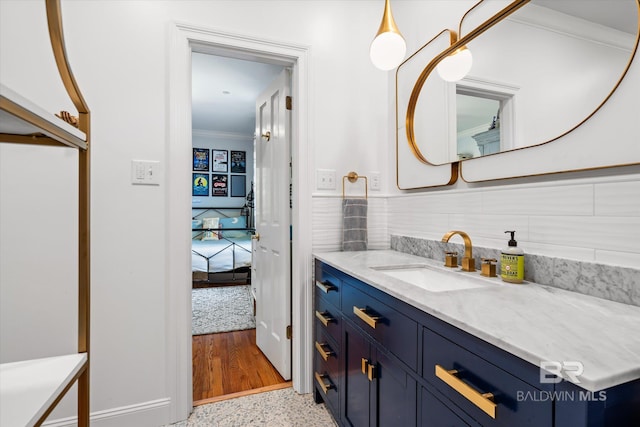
619,258
618,199
609,233
591,219
562,200
327,223
491,225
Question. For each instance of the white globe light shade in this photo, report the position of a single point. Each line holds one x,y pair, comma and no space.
455,67
387,50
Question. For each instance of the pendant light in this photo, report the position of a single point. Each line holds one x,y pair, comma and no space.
455,66
388,47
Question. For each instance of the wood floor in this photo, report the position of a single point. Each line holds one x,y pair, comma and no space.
230,362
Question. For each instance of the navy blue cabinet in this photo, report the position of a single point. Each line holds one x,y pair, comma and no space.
378,391
381,362
357,397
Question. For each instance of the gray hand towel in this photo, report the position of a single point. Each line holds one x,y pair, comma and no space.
354,225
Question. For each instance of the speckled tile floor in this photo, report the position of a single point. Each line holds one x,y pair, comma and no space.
280,408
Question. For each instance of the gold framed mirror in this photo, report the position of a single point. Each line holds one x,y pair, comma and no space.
521,113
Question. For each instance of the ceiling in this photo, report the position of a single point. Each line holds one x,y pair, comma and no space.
616,14
224,92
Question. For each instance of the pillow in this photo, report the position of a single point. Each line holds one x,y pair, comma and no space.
236,222
210,224
196,223
210,235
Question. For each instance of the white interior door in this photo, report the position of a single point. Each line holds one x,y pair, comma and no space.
271,262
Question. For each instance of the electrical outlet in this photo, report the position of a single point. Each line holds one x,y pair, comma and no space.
374,181
325,179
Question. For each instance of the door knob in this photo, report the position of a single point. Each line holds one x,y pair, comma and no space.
267,135
256,236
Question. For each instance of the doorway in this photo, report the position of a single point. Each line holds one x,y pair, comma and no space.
226,357
184,40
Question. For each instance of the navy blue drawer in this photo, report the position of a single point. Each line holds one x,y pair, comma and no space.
395,331
437,414
326,364
327,351
327,386
328,318
457,372
327,286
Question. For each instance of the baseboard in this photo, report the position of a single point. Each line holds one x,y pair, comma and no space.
153,413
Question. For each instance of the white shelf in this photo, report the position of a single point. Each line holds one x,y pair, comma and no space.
28,388
19,116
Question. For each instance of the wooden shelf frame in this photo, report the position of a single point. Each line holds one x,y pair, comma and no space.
26,123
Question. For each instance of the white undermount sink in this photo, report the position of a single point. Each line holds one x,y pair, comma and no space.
434,279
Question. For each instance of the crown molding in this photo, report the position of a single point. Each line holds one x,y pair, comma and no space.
222,135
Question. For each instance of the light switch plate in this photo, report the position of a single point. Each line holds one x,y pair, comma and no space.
145,172
325,179
374,181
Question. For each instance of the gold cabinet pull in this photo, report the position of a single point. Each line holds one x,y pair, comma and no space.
324,353
325,317
324,386
371,372
256,236
365,363
326,287
267,135
484,401
362,314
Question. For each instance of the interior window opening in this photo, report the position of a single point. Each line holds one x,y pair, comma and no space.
483,122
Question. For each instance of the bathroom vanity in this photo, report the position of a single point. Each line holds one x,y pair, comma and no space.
402,341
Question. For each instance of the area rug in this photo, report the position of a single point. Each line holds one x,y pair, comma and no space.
222,309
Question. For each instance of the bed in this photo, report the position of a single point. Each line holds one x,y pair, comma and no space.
221,246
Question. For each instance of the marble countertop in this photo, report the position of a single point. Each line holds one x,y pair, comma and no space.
534,322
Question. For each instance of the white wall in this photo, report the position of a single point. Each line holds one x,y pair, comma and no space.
119,54
221,141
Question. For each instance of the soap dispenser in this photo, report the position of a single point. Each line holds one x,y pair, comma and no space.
512,261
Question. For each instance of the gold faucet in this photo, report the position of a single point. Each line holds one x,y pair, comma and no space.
468,263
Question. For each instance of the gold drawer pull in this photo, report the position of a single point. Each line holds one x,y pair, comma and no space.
326,287
371,372
481,400
324,386
324,353
365,363
325,317
362,314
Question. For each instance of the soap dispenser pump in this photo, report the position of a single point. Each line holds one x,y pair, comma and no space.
512,261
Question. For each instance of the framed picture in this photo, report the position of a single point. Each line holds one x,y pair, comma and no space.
200,184
238,185
219,185
201,159
238,162
220,160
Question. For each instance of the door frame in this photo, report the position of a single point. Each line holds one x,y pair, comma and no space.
185,38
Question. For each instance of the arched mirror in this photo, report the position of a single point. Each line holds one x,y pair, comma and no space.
537,74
